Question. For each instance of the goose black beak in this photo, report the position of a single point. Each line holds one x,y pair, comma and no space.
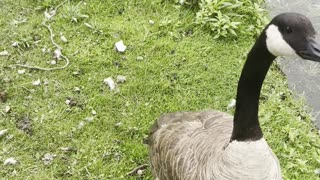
312,52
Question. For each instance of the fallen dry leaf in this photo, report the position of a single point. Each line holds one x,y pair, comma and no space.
46,82
10,161
7,109
88,25
68,149
121,79
15,44
21,71
3,132
36,82
231,104
4,53
49,14
109,81
48,158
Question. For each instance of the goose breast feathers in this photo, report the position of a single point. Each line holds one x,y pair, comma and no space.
196,146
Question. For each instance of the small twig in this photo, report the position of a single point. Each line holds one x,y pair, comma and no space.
25,88
87,171
60,5
55,44
135,170
51,35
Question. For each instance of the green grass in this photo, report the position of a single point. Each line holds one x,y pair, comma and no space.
183,68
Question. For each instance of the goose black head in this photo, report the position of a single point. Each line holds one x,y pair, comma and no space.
292,34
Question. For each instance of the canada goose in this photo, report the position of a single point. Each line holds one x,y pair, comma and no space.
212,145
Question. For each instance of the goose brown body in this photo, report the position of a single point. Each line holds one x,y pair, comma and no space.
196,146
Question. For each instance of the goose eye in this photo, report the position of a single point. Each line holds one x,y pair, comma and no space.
288,29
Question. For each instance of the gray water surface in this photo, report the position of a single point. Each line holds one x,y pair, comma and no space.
303,76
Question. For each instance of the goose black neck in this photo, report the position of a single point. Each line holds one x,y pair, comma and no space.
246,125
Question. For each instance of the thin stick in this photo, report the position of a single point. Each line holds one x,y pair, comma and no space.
51,35
135,170
55,44
60,5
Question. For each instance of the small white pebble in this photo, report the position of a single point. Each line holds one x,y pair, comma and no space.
89,119
10,161
65,148
14,173
3,132
6,79
4,53
118,124
139,172
67,101
47,15
231,104
74,20
93,112
44,50
120,46
139,58
81,125
57,54
121,79
15,44
63,38
36,82
7,109
10,136
317,171
50,14
76,89
151,22
53,62
21,71
45,82
76,73
109,81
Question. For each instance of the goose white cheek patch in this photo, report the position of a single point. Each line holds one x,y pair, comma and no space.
276,45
